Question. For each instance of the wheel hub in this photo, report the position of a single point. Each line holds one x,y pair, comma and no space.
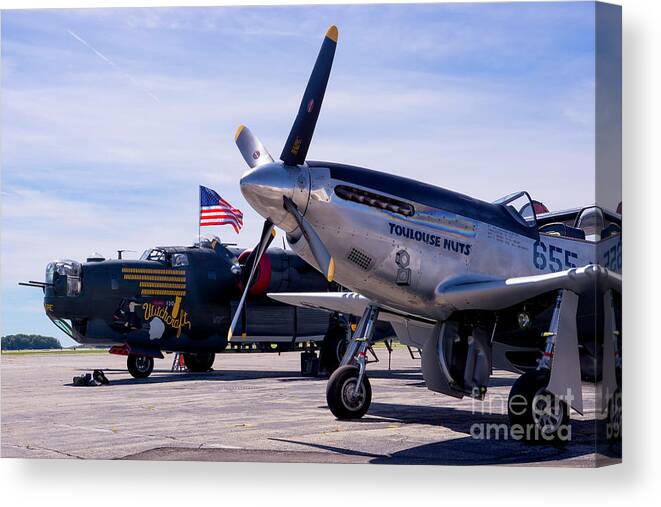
352,398
547,412
142,363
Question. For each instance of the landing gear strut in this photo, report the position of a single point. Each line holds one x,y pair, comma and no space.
536,414
348,391
140,366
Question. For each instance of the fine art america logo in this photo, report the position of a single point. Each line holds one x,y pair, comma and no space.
427,238
517,405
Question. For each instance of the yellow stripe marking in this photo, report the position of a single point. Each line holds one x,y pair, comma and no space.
155,271
154,278
162,292
163,285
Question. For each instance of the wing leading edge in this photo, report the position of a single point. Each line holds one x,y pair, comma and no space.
475,294
411,329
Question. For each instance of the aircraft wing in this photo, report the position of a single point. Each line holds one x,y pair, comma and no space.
496,294
349,303
411,330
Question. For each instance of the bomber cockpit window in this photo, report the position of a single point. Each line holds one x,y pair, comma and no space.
153,254
520,206
179,260
375,200
65,272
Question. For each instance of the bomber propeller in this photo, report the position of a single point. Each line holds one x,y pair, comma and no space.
268,233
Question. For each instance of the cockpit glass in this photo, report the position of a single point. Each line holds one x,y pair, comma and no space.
68,270
50,271
179,260
153,254
520,206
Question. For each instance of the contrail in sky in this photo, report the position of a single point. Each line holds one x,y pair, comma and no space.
111,63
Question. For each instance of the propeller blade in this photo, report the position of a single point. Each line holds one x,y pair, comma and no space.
251,259
268,233
298,142
252,149
319,251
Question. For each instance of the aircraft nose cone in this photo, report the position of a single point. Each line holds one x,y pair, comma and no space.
265,186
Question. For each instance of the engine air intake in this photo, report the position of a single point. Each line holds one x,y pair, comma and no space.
374,200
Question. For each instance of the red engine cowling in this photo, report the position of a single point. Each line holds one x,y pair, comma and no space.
262,277
539,207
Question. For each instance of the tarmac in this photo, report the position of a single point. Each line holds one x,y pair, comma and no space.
257,407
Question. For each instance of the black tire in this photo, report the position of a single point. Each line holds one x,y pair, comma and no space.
199,363
140,366
541,417
339,390
332,350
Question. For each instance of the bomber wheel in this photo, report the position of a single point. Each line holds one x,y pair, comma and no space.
140,366
343,399
200,362
332,350
539,415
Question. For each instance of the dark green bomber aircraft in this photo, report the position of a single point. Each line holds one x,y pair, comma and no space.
182,299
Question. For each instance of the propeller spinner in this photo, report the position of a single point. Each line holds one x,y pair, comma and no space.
276,189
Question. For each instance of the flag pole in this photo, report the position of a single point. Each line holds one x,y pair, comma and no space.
199,207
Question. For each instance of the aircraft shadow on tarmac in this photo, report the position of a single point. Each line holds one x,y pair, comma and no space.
167,376
466,450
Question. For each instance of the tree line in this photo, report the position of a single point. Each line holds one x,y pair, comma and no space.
29,341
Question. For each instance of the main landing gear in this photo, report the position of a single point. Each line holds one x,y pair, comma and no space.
199,362
140,366
536,414
348,391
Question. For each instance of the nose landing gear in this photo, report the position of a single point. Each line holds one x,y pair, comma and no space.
140,366
348,391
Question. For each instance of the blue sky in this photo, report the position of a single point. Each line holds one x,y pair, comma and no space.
111,118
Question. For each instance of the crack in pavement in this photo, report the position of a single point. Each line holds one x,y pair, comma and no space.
31,447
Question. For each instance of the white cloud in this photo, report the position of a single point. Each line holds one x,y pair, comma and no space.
91,162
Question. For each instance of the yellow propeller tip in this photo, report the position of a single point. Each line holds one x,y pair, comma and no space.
331,270
273,233
229,335
332,33
238,132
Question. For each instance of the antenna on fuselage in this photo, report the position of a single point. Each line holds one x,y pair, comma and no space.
120,252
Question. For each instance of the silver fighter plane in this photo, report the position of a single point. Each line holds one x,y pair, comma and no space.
473,284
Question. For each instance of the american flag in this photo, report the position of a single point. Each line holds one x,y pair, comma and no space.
214,210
